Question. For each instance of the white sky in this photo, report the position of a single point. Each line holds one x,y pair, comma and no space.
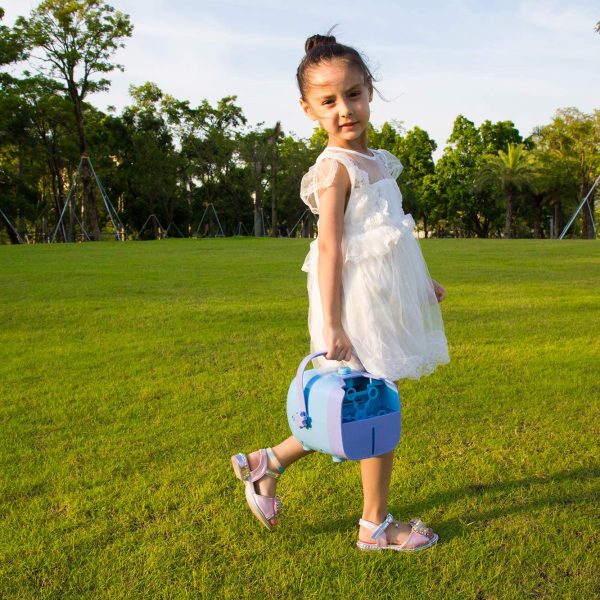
510,59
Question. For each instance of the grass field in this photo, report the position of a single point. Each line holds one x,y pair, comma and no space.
129,373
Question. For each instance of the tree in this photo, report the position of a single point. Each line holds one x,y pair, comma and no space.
13,130
387,138
318,140
21,158
294,159
415,151
52,124
497,136
274,138
11,50
206,135
573,138
254,151
512,171
146,158
552,181
77,39
467,209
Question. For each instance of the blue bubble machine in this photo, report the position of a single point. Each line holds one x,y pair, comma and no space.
347,414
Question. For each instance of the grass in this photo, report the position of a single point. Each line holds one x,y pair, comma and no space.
130,372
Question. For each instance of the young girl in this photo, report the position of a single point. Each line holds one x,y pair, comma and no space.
372,302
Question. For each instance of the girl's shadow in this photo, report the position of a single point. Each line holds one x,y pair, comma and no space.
497,496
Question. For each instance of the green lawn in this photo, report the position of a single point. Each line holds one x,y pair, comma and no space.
129,373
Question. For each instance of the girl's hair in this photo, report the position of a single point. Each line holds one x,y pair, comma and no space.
322,48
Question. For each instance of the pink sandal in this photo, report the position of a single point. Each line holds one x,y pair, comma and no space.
264,508
420,538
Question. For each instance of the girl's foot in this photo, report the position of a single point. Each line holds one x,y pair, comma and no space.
266,485
259,471
392,535
397,533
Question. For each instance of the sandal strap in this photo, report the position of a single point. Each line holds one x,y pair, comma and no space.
271,473
379,530
419,527
263,469
270,507
275,460
418,531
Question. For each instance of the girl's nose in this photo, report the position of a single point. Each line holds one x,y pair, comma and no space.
345,110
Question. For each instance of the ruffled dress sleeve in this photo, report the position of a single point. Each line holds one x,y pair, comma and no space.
319,177
394,166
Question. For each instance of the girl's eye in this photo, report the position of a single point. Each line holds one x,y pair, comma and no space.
325,102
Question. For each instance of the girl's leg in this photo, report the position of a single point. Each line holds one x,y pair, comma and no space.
376,474
288,452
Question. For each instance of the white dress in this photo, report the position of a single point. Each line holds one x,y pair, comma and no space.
389,308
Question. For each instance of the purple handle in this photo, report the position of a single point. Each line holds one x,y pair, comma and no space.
302,413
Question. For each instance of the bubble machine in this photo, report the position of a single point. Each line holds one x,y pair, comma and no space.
347,414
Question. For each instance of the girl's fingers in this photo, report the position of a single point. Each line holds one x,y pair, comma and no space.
439,290
339,354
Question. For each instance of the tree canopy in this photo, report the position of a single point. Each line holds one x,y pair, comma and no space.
162,156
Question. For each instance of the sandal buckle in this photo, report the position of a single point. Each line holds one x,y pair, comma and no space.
383,526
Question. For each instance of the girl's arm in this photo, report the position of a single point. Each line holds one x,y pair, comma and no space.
332,203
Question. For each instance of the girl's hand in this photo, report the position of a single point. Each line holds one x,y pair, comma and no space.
339,347
440,291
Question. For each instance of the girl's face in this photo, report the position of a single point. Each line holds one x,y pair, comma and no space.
338,97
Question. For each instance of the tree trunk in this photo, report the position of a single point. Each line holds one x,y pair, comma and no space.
20,223
558,218
537,216
478,228
258,209
58,191
12,234
587,211
274,230
89,200
308,230
510,199
272,141
257,171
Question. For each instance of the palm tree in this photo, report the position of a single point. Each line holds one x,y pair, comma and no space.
512,171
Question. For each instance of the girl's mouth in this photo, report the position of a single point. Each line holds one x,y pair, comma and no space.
348,125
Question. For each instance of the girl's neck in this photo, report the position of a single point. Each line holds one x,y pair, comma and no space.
367,153
357,145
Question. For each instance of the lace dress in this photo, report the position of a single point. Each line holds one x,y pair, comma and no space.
389,308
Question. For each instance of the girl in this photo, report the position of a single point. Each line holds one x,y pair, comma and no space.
372,302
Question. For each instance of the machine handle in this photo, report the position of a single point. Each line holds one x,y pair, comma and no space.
301,417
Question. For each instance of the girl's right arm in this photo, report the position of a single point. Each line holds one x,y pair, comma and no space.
332,203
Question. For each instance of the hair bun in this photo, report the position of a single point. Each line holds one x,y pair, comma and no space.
318,40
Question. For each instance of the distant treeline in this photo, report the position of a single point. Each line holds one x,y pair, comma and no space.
163,157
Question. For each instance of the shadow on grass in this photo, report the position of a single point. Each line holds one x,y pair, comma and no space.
496,494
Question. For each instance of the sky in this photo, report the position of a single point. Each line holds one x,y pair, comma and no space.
517,60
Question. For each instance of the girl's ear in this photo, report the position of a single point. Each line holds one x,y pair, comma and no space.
307,110
370,92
